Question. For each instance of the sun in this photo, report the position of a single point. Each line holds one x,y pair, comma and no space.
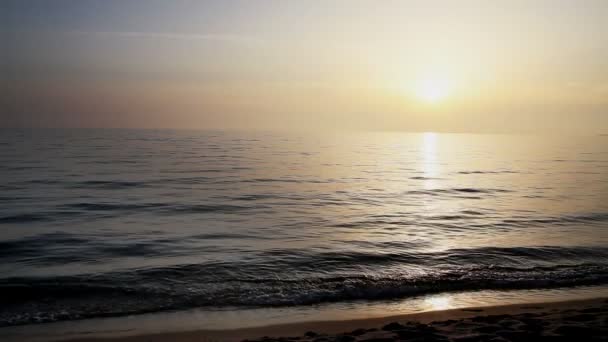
432,89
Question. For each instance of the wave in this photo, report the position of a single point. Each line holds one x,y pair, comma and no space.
457,191
229,175
317,278
22,218
99,210
478,172
62,248
475,220
109,185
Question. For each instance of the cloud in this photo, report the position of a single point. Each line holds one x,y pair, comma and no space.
219,37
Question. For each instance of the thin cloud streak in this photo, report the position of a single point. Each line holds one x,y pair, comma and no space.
222,37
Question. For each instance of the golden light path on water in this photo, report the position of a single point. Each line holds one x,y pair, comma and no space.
430,159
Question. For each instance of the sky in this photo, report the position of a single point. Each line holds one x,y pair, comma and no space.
446,66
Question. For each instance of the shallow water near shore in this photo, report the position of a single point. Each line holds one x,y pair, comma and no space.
99,223
233,318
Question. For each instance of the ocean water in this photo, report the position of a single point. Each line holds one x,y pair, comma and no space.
99,223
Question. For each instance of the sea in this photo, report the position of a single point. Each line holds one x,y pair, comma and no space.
117,222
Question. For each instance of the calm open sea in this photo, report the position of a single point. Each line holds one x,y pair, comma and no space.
114,222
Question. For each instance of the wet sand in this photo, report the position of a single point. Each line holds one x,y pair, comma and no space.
585,320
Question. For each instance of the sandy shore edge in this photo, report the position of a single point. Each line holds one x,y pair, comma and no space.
550,311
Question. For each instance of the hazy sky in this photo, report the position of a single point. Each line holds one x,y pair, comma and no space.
475,66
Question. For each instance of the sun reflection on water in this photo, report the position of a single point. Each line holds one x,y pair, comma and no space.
442,302
430,161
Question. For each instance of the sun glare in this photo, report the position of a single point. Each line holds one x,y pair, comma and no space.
432,90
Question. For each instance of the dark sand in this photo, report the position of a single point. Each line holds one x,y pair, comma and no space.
579,321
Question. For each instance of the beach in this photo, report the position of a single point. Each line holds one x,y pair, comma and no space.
586,320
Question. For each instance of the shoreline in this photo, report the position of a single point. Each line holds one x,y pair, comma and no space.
327,328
